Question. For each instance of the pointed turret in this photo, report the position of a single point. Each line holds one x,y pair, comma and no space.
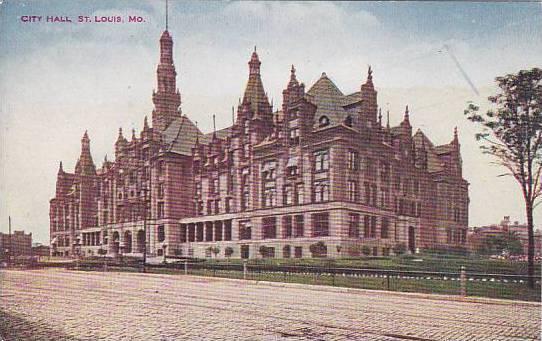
368,97
406,117
60,169
120,144
145,124
255,96
293,91
85,165
455,141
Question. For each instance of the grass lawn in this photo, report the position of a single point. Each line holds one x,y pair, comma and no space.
407,263
367,280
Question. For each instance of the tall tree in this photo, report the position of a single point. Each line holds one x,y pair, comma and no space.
511,131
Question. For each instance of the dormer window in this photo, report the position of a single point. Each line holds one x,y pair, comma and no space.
323,121
348,121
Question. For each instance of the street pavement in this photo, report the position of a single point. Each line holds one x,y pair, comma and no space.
74,305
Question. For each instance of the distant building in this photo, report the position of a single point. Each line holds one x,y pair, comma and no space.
322,168
477,235
20,245
40,250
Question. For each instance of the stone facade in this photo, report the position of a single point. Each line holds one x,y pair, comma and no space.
322,168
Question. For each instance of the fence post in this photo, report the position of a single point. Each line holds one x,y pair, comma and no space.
245,269
388,281
186,267
463,279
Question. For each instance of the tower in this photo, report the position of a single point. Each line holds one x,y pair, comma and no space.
167,98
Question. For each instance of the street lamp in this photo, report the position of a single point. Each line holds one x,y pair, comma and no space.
145,190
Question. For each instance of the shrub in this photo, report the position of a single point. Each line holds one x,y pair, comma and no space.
228,251
399,248
366,250
318,249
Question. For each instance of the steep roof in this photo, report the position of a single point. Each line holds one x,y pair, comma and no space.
221,134
180,136
330,101
434,163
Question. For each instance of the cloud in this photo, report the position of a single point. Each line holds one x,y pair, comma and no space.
61,80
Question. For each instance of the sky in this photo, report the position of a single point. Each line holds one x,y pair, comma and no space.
59,79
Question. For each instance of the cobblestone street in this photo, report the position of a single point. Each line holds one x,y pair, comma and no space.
64,305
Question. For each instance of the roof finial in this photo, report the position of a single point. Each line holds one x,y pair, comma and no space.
133,134
456,135
197,133
167,10
388,119
232,115
145,123
370,73
254,48
60,168
214,126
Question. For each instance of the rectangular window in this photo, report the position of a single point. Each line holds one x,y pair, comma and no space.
299,226
320,224
160,190
352,160
161,233
298,252
209,206
269,227
353,228
227,230
321,191
352,191
217,206
370,168
299,194
215,188
227,204
245,230
373,227
294,135
269,197
287,226
384,228
288,195
321,160
161,209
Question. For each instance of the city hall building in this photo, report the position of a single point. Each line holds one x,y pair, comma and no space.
321,176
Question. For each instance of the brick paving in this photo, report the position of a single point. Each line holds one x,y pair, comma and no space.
62,305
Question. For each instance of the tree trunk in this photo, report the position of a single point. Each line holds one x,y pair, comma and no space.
530,248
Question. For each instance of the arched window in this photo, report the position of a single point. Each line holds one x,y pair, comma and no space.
323,121
348,121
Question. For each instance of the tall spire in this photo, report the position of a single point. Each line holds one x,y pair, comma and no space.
60,168
167,98
167,12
